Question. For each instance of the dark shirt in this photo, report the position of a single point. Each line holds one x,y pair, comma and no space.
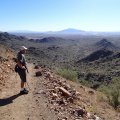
21,59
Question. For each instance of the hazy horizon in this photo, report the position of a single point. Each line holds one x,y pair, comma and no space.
54,30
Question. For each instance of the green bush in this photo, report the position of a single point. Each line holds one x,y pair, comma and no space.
113,95
85,82
114,98
112,92
68,74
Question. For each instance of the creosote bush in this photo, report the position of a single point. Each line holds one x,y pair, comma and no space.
114,98
112,91
68,74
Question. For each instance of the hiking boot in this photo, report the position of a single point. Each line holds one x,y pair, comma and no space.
24,92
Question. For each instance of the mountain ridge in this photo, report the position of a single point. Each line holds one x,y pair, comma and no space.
66,31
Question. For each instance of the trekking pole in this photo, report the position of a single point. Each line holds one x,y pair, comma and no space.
26,81
16,75
28,85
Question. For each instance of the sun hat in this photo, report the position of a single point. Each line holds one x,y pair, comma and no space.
23,48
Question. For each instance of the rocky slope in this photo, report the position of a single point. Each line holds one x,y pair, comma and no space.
6,64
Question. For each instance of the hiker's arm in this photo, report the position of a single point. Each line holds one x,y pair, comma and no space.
26,69
19,61
20,65
26,65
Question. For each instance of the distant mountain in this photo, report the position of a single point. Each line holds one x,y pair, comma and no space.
4,36
71,31
100,54
65,31
68,31
105,44
12,41
48,40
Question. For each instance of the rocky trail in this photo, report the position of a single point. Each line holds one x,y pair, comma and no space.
50,98
23,107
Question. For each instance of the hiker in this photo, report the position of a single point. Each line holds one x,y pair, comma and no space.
22,68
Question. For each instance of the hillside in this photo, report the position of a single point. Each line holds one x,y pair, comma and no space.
51,40
100,54
59,52
105,44
100,66
45,51
59,98
52,97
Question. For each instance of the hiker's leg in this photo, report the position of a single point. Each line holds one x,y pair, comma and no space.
22,84
22,74
24,81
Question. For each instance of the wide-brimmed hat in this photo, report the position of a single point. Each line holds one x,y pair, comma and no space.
23,48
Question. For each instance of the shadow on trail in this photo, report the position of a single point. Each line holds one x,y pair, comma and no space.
9,100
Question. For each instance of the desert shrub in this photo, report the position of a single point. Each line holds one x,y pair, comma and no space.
85,82
68,74
114,97
113,94
101,97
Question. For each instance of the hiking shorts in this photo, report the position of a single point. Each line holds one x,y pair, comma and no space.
22,74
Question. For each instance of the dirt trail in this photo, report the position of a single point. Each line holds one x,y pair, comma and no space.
24,107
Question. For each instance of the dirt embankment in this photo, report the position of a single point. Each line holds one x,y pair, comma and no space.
6,64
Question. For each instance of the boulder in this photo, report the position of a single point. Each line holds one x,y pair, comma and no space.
36,67
38,73
91,92
54,96
48,75
80,112
64,92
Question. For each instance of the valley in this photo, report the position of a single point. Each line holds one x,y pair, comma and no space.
93,61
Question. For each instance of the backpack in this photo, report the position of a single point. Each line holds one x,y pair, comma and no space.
16,68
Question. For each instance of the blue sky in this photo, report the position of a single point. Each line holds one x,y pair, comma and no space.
53,15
